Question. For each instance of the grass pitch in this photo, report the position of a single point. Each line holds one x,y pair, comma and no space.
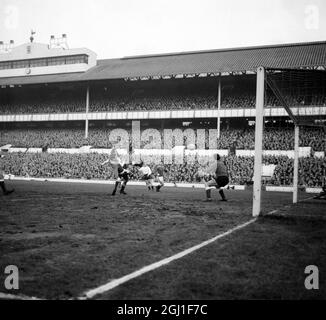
69,238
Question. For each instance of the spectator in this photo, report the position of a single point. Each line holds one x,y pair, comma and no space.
87,166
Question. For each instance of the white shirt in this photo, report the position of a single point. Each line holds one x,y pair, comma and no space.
211,169
145,170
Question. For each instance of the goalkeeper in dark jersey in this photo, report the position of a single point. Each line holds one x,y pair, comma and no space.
219,178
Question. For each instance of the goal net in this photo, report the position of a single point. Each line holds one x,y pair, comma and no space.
290,132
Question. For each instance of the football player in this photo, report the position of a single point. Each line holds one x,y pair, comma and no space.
159,179
218,178
122,179
146,174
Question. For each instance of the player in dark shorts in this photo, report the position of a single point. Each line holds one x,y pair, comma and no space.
219,180
123,178
159,179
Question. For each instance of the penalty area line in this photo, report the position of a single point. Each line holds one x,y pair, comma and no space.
8,296
41,198
287,206
117,282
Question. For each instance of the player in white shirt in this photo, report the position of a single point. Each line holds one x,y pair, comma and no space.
146,174
120,172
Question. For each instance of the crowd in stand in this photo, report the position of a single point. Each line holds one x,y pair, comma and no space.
42,107
140,102
169,98
88,166
281,138
176,102
41,102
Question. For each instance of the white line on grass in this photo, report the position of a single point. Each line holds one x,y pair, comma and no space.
8,296
287,206
117,282
306,199
41,198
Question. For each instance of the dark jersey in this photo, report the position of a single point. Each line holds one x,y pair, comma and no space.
1,168
221,170
123,172
159,170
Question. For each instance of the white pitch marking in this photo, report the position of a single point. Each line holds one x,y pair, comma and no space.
41,198
306,199
287,206
272,212
115,283
16,297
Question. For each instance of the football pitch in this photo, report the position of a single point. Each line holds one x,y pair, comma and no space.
76,241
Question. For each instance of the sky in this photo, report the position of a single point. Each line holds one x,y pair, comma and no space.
118,28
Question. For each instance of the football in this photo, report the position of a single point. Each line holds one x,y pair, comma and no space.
201,173
191,146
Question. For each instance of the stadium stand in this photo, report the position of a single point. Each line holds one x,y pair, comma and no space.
275,138
71,102
177,81
87,166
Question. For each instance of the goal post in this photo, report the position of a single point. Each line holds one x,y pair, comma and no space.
294,100
259,121
259,133
296,164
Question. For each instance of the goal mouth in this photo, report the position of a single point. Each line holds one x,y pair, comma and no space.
291,105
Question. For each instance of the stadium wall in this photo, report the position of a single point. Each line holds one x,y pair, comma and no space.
304,152
173,114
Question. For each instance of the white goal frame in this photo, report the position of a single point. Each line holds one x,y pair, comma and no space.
259,132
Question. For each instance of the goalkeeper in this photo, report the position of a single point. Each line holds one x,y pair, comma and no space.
219,178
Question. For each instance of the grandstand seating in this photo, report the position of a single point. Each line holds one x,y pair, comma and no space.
275,138
87,166
171,95
139,100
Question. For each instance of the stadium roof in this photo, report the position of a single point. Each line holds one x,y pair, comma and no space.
224,61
